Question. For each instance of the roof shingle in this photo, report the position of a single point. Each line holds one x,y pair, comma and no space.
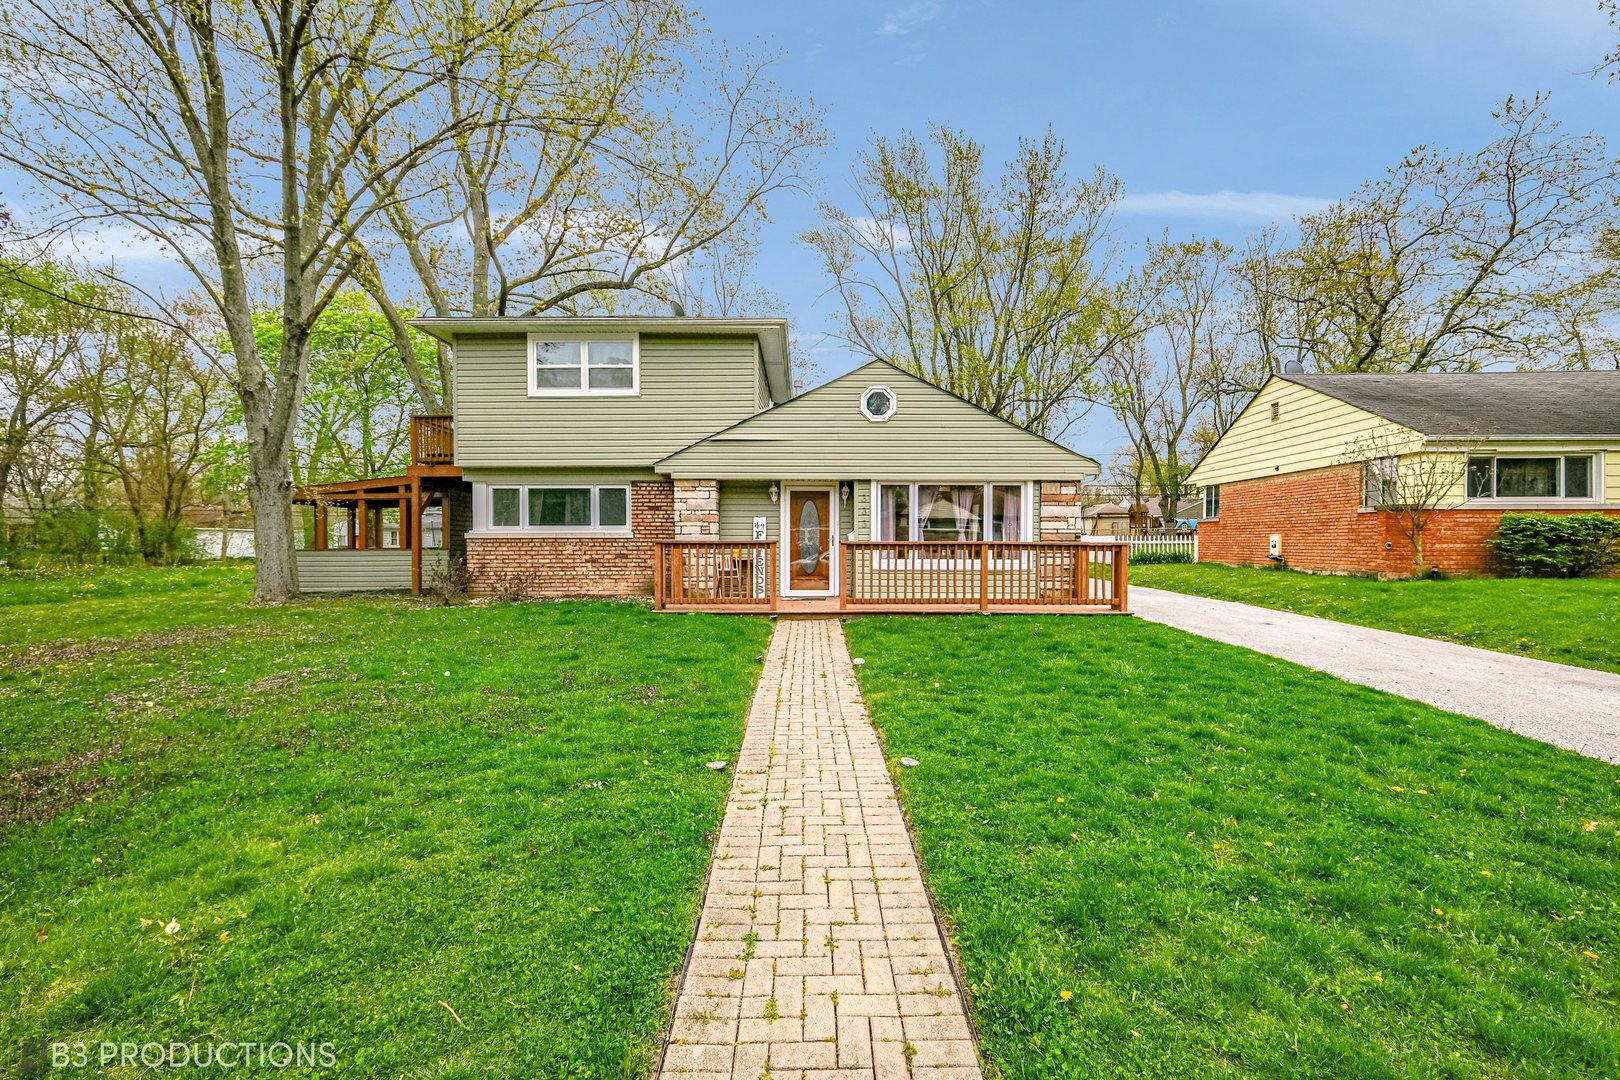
1486,404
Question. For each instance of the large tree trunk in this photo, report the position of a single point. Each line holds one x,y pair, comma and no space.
275,575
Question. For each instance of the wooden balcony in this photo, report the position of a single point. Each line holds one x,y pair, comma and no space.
433,441
1051,576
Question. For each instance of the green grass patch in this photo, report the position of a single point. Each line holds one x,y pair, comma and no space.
1237,867
360,815
1569,621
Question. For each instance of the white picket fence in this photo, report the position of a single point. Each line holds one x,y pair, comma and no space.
1140,542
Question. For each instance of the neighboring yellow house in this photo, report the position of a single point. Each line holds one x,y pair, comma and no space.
1316,469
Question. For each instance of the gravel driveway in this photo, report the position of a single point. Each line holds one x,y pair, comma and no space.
1575,708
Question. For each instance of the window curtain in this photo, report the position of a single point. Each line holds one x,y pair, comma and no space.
1009,517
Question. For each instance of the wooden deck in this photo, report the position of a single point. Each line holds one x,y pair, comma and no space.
1054,577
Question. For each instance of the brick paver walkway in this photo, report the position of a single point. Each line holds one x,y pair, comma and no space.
818,955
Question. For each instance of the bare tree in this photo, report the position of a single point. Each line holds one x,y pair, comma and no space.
237,136
1162,383
154,407
1409,481
1445,263
602,147
994,290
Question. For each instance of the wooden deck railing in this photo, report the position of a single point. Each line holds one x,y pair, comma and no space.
990,576
889,576
725,573
433,440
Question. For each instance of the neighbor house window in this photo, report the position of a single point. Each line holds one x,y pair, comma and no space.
560,509
952,513
1212,502
590,366
1381,482
1530,477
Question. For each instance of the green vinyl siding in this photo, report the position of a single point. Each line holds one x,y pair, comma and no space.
743,500
691,387
932,435
863,510
375,570
762,385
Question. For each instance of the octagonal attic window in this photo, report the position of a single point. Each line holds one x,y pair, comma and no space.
877,403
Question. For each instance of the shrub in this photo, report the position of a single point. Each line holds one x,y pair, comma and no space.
448,582
1557,545
1153,558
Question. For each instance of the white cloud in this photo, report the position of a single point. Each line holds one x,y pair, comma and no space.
880,233
1249,206
904,20
1575,29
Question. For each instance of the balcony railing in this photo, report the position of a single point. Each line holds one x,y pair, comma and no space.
433,440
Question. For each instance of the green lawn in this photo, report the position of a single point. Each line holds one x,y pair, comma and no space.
1238,867
360,815
1575,621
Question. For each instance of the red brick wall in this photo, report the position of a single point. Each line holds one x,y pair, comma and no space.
579,566
1319,515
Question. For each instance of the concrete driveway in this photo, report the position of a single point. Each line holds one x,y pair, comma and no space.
1575,708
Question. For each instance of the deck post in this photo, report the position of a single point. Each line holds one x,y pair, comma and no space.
318,541
658,575
772,571
984,576
362,528
1121,577
416,532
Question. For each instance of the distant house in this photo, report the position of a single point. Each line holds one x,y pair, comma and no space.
1309,471
1125,517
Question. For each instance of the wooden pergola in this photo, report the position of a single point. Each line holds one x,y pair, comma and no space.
431,477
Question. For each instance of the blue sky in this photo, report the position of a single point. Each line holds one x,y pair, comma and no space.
1218,116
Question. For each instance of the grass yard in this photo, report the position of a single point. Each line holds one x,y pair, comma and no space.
1163,856
451,842
1569,621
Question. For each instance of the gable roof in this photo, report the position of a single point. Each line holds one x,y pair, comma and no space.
932,434
772,334
1486,404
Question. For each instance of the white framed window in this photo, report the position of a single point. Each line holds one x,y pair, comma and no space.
1531,476
1381,482
1212,502
878,403
953,513
559,508
564,367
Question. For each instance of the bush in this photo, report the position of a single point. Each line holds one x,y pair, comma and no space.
1154,558
448,582
1557,545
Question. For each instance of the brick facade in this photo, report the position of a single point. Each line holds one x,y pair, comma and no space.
578,566
1323,527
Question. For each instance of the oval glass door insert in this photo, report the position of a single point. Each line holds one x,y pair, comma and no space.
809,536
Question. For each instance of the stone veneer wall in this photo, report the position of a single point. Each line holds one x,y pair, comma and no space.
1063,515
593,566
697,509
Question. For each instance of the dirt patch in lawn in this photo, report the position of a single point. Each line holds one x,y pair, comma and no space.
40,793
67,651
